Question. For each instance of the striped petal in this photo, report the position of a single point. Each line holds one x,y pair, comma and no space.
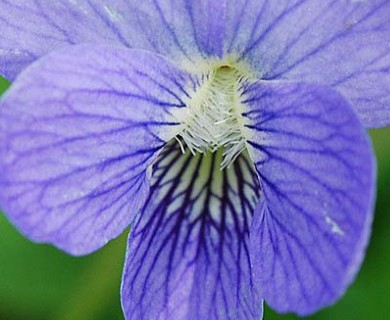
78,131
183,31
316,170
344,44
188,255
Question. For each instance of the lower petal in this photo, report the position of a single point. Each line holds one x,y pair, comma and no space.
317,174
188,255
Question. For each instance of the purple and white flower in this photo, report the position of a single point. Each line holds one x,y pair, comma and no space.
229,134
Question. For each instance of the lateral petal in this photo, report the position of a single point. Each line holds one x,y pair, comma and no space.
317,175
79,130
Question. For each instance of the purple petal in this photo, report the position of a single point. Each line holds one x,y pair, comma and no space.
183,31
188,255
344,44
317,175
79,129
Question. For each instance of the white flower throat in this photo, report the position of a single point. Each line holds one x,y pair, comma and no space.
214,119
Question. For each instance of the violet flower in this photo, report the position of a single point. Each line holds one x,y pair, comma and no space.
234,143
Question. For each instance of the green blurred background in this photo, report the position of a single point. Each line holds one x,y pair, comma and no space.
38,282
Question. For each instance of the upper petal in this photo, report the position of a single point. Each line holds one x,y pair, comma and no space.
317,175
78,131
344,44
182,30
188,255
339,43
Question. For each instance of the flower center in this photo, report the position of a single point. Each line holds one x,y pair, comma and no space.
213,119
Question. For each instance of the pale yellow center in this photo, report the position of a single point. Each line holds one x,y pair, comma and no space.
213,118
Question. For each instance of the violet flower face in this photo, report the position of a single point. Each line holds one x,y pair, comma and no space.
229,134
